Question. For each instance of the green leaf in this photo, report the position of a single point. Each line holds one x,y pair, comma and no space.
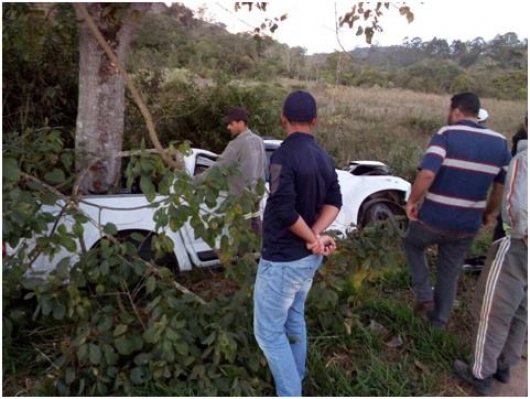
48,198
110,229
68,243
94,354
182,348
105,324
123,345
78,229
150,285
69,376
111,357
60,361
150,335
11,170
147,187
120,329
172,335
59,310
138,375
142,359
82,352
81,389
55,176
210,339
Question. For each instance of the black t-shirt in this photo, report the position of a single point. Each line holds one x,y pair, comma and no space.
303,179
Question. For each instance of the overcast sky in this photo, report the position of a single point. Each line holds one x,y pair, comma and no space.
311,24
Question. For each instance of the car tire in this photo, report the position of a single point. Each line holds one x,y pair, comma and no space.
146,253
381,211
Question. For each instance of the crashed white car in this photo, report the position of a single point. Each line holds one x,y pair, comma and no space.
370,193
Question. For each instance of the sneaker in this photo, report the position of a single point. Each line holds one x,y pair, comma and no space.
422,309
502,375
483,386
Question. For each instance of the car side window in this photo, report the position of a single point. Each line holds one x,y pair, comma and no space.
203,162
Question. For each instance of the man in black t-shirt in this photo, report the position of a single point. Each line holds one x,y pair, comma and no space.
304,200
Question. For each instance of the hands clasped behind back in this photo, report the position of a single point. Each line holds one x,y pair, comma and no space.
323,245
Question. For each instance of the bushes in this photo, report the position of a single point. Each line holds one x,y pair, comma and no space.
121,321
188,110
40,67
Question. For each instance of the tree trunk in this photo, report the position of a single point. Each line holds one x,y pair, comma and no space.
101,109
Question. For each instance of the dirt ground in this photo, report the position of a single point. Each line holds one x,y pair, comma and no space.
518,385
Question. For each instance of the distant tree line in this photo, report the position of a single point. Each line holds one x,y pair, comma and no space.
496,68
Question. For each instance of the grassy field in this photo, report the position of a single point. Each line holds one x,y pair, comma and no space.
391,125
367,342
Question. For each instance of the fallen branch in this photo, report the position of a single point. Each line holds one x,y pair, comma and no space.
113,239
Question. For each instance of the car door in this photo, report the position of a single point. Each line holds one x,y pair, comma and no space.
199,251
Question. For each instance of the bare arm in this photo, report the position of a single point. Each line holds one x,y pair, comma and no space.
302,230
422,183
316,243
327,215
494,204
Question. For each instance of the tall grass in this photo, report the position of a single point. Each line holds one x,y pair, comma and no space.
391,125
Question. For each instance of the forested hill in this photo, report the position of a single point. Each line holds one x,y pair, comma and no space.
173,38
41,56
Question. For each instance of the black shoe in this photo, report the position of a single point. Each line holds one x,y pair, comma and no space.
502,375
483,386
422,309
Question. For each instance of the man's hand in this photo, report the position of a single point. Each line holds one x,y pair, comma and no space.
488,218
421,185
412,211
323,245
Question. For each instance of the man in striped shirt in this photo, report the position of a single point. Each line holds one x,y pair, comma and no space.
449,202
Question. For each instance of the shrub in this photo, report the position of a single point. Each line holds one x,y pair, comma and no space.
187,110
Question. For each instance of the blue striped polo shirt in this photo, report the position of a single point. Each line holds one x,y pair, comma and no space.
466,159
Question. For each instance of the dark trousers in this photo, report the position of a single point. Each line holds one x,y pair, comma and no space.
452,249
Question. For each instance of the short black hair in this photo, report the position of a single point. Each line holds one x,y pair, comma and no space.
468,103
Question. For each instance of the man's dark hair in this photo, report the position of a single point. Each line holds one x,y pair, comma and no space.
468,103
236,114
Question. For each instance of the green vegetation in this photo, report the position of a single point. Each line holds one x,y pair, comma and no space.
498,68
94,338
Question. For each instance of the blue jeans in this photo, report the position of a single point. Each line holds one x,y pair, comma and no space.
279,326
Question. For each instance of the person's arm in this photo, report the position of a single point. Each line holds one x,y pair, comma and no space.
316,243
422,183
493,205
327,215
430,165
495,198
302,230
228,157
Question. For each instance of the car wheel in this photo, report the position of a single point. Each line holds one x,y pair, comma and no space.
146,253
383,211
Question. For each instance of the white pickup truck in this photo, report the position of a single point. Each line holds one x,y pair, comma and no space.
369,191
